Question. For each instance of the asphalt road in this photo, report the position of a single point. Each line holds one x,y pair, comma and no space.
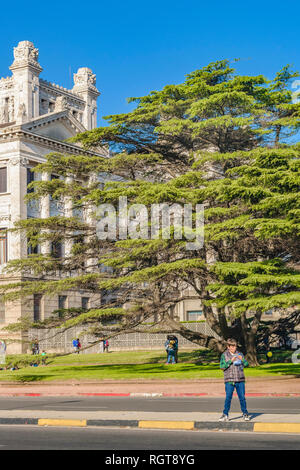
268,405
40,438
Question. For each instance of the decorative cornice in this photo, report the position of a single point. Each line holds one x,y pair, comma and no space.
60,90
18,133
6,83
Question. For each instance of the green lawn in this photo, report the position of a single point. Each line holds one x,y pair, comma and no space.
131,365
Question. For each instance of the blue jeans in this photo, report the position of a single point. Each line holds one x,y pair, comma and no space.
171,355
240,390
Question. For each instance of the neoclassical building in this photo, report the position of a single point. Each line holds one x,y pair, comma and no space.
36,117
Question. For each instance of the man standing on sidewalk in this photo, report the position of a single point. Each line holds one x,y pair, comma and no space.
233,363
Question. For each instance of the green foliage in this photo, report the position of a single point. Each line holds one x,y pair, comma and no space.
217,139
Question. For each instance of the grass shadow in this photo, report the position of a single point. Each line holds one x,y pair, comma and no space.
31,378
280,369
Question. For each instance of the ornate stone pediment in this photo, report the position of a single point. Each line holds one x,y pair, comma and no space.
60,125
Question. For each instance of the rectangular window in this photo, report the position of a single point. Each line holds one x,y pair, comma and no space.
37,307
194,315
56,249
3,246
85,302
3,180
33,250
62,301
30,178
269,312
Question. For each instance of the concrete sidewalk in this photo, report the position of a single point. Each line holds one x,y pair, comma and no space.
149,420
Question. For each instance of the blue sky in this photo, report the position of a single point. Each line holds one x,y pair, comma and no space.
135,47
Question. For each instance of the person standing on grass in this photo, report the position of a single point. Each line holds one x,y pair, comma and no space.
232,363
176,348
33,347
44,357
76,345
171,351
167,342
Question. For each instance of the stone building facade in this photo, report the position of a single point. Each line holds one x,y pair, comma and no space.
35,119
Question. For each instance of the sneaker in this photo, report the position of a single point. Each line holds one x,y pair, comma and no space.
246,417
224,418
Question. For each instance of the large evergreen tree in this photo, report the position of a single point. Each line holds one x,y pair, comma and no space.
218,139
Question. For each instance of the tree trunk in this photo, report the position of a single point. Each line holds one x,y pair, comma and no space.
249,334
251,356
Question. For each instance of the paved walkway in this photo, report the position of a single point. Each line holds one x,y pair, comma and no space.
272,386
146,416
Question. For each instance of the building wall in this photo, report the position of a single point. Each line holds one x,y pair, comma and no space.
35,118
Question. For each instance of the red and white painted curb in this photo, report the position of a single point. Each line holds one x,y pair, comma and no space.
139,395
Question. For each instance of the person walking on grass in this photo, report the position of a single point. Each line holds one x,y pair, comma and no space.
232,363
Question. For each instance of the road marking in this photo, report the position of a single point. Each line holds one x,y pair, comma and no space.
62,422
277,427
167,424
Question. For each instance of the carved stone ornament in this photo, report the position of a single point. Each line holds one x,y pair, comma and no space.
26,54
3,115
22,114
4,218
6,83
84,79
22,161
11,109
61,103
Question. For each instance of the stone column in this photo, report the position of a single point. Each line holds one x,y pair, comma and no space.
26,70
68,211
90,219
17,174
18,189
85,87
45,213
